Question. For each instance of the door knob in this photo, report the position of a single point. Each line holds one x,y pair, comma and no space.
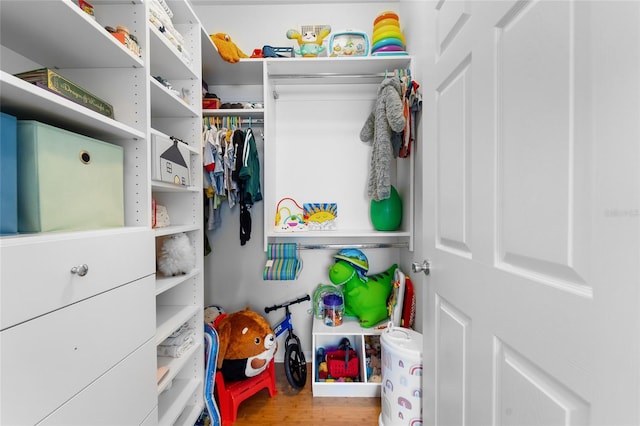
80,270
421,267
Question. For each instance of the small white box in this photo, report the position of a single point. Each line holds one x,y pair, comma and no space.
170,161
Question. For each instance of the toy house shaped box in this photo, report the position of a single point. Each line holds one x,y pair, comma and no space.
170,160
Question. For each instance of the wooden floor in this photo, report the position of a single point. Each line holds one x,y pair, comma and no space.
301,408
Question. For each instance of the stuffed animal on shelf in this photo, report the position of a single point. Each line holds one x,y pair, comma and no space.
227,48
309,42
364,296
175,255
247,345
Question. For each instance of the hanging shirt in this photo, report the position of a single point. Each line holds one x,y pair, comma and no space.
250,171
230,185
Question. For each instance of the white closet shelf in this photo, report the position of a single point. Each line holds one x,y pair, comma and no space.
175,365
166,60
24,31
216,71
165,103
321,68
158,186
172,401
169,230
31,102
170,317
338,233
189,415
167,283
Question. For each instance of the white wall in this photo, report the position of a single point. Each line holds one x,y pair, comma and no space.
253,26
233,273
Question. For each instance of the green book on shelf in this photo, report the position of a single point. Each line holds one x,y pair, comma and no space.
54,82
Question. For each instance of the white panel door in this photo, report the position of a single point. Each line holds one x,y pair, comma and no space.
531,191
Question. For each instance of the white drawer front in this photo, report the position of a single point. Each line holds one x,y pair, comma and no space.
36,272
125,395
46,361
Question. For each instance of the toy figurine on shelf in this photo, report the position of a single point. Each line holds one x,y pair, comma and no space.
227,49
310,42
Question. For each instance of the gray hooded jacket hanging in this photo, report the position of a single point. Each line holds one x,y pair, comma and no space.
387,116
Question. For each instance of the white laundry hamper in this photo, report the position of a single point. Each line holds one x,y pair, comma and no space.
401,391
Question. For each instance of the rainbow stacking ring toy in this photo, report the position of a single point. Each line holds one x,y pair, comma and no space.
387,38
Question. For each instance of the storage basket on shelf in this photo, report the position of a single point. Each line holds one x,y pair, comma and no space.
341,365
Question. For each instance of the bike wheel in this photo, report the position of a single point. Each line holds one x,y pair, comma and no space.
295,366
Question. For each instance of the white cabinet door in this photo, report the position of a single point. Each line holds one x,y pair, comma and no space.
128,386
48,360
531,192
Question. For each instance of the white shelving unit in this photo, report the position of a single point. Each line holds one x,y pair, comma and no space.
308,161
304,163
301,162
217,72
179,299
324,336
121,261
37,303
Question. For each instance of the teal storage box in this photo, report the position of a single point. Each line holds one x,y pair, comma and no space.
67,181
8,175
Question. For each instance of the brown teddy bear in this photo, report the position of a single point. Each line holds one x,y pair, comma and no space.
247,345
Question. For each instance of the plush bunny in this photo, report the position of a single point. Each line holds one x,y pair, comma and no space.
387,116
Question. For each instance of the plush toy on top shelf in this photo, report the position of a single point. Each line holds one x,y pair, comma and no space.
227,48
365,296
310,42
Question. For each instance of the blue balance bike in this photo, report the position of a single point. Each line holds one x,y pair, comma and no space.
295,365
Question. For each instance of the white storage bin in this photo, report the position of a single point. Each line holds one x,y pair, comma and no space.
67,181
401,377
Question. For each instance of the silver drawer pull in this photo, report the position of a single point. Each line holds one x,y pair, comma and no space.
80,270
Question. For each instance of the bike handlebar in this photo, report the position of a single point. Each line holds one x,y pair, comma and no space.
285,304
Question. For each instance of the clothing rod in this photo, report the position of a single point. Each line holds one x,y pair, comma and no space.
331,74
358,246
245,118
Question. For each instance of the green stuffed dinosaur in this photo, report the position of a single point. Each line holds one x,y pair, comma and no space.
364,296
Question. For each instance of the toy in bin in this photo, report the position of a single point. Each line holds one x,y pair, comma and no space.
333,309
343,362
